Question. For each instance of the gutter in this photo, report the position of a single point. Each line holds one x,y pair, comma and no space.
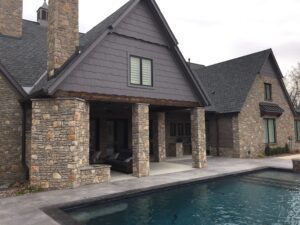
24,121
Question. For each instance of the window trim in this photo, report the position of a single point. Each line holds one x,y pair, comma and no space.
141,72
275,133
266,90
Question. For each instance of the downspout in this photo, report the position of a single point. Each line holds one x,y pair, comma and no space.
218,136
24,164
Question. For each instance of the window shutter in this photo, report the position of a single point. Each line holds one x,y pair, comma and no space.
147,72
135,70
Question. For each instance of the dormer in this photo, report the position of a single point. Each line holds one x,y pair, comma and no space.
42,14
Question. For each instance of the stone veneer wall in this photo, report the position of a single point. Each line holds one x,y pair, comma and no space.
60,144
198,137
251,126
11,169
63,34
140,140
160,137
11,17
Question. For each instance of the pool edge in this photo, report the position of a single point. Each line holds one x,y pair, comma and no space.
57,213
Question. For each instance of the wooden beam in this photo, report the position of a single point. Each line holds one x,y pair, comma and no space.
127,99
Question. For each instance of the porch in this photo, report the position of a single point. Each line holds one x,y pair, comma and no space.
137,138
75,141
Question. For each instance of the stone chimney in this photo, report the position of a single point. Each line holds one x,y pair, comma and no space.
63,33
42,15
11,17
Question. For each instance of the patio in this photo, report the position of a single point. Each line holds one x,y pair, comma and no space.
26,209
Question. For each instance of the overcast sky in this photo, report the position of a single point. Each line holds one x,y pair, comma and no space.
212,31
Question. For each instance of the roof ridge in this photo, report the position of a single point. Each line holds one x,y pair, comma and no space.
237,58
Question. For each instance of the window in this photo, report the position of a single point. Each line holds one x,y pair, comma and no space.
268,92
297,130
270,131
180,129
140,71
187,129
172,129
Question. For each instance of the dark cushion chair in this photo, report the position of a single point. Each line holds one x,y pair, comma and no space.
123,163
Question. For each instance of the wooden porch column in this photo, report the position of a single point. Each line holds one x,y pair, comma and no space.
198,137
140,140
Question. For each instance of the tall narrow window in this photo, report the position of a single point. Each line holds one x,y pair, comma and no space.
141,71
268,92
173,129
187,129
297,130
180,129
270,131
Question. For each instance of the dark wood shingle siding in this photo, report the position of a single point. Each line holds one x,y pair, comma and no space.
106,69
141,24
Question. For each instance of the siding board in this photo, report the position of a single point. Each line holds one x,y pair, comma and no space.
106,69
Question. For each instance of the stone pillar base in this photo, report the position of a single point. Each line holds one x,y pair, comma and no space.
140,140
179,150
296,165
160,137
198,138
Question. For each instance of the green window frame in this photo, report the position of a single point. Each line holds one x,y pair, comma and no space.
270,131
268,92
141,71
297,130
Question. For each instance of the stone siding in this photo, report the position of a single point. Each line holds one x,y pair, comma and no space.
198,138
11,169
59,142
160,137
11,17
296,165
251,124
63,34
94,174
140,140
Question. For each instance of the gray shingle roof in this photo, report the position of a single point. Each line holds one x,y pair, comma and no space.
228,83
26,58
267,108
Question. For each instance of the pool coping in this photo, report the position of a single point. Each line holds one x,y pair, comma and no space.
57,214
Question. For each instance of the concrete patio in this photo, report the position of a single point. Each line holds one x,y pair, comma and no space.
25,210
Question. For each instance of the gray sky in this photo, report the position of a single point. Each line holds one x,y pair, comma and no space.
211,31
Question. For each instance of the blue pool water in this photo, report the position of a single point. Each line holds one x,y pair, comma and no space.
267,197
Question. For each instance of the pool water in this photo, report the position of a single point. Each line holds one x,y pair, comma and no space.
266,197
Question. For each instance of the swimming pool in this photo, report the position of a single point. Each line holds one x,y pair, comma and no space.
265,197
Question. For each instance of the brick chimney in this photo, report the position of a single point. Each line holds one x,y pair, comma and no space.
11,17
63,33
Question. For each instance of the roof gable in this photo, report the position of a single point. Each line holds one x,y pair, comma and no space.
99,33
228,83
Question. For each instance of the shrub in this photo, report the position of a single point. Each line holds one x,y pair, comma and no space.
276,151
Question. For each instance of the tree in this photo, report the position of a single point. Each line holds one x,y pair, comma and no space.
293,85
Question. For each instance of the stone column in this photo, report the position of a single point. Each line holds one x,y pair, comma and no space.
236,137
59,142
198,137
140,140
160,137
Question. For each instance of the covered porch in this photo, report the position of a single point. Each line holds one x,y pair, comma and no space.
136,139
78,141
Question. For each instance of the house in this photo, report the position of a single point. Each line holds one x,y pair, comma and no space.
70,100
250,107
